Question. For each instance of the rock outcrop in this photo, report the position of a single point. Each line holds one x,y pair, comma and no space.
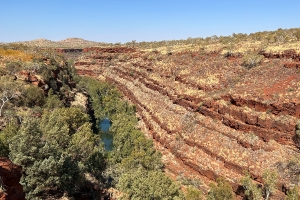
10,174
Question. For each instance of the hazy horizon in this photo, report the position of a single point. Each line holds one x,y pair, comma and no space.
119,21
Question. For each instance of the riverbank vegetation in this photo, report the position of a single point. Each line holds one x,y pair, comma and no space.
58,144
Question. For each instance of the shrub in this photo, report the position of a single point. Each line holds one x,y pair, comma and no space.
221,191
33,96
252,59
13,67
298,130
252,191
142,184
193,194
270,180
292,194
46,72
297,34
188,181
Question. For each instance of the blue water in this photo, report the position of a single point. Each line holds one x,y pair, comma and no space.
106,137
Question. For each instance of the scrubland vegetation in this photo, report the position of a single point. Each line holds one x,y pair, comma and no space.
58,143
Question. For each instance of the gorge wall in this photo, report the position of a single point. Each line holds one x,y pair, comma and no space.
206,113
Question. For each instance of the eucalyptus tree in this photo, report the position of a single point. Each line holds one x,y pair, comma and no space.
9,89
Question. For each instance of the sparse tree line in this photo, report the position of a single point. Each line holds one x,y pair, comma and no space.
268,37
278,36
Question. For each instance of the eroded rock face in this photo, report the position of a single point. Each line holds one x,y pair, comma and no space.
206,113
10,174
28,77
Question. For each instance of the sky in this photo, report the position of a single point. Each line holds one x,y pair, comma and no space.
122,21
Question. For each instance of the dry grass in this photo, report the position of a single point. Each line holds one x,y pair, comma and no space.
10,54
67,43
279,48
211,79
186,47
239,47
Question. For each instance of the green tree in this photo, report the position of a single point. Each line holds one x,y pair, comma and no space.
55,152
270,180
24,151
71,117
53,101
105,98
143,155
4,150
9,89
96,164
83,143
252,192
221,191
6,135
133,164
46,71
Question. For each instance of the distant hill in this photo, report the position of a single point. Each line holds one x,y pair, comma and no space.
66,43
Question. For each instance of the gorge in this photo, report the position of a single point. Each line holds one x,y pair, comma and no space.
208,114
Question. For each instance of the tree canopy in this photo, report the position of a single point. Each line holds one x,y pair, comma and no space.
55,150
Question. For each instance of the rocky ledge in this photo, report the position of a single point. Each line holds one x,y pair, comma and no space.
10,175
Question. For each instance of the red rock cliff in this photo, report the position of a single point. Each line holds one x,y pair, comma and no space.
208,114
10,174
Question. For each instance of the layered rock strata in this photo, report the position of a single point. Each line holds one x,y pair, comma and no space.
206,113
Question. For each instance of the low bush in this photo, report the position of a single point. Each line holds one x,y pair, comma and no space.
221,191
298,130
33,96
252,59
